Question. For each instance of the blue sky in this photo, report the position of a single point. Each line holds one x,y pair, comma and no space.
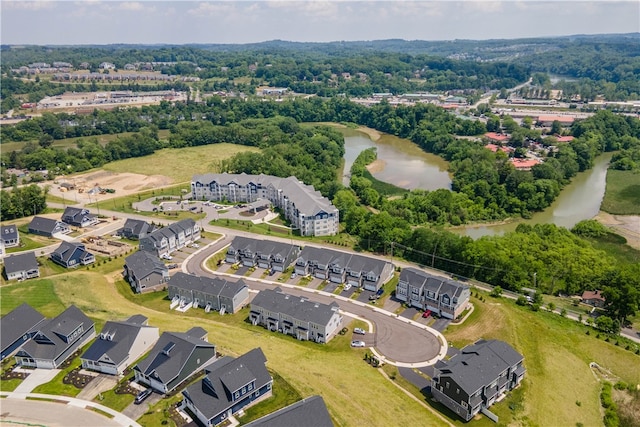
179,22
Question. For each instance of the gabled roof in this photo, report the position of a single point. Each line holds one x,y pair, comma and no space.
45,225
137,226
18,322
479,364
8,232
48,343
171,230
143,263
299,308
71,213
265,247
212,286
66,250
115,341
437,284
590,295
20,262
320,255
214,394
169,355
309,412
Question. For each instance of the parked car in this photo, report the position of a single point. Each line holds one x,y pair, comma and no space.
347,287
359,331
293,275
426,314
380,292
143,395
167,257
195,245
357,344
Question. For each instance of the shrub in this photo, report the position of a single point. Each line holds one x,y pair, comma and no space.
521,300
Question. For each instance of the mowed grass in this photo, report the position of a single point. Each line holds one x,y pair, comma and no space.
355,393
557,353
180,164
622,194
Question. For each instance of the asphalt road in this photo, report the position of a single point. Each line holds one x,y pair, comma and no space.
396,340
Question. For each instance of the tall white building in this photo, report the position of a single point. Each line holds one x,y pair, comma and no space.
306,209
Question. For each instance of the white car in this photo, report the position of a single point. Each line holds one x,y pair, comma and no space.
357,344
347,287
359,331
195,245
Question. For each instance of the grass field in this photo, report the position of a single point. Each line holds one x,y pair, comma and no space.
180,164
622,194
557,353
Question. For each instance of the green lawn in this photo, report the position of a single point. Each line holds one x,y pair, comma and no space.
615,245
180,164
622,194
283,395
117,402
557,353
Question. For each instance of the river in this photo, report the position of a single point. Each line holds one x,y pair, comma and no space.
405,165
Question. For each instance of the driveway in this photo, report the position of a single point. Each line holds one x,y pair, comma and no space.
409,313
134,411
414,378
100,384
441,324
35,378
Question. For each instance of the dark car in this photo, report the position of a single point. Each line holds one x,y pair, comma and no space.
142,396
380,292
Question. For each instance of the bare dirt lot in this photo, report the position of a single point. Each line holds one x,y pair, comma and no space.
123,184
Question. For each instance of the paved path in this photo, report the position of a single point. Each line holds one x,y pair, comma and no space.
58,411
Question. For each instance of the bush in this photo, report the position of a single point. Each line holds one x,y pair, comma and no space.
521,300
496,292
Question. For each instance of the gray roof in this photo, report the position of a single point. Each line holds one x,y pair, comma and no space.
8,232
309,412
319,255
137,226
214,394
479,364
48,343
208,285
305,198
20,262
66,250
181,345
74,215
115,341
44,225
297,307
349,261
171,230
439,285
259,246
138,319
143,263
18,322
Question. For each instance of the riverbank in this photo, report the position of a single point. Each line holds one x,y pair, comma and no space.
628,226
376,166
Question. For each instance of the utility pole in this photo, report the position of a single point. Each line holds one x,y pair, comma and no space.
433,255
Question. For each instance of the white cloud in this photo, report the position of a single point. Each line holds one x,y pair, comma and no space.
27,5
213,8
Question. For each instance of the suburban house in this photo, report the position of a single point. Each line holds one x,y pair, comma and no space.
497,137
9,236
78,217
310,412
593,298
135,229
218,294
230,385
175,357
263,253
296,316
17,327
71,254
21,266
55,340
169,239
343,267
306,209
119,345
444,297
145,272
47,227
474,379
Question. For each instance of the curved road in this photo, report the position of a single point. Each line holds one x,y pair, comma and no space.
399,341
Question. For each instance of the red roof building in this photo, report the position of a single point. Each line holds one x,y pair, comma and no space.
593,298
494,148
524,164
565,138
498,137
548,120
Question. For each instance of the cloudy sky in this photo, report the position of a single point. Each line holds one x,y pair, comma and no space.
178,22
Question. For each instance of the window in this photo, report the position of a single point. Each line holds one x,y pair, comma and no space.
250,387
237,394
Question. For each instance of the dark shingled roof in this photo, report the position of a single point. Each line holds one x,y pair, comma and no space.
8,232
143,263
65,322
169,366
43,225
208,285
309,412
299,308
480,364
18,322
20,262
115,340
213,394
